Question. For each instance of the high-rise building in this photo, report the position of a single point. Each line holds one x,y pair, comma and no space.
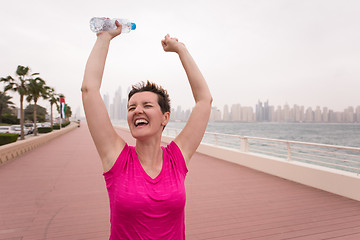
339,117
358,114
259,112
309,115
226,116
317,115
248,114
118,108
272,114
296,113
215,114
287,113
279,114
263,111
266,111
325,115
302,114
235,112
117,104
349,115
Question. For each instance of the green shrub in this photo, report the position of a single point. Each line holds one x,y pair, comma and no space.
6,138
56,127
65,124
10,119
44,129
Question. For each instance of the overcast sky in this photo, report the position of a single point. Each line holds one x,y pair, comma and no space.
303,52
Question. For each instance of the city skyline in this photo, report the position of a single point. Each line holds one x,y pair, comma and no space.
264,112
261,112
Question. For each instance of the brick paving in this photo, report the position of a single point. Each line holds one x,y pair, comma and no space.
57,191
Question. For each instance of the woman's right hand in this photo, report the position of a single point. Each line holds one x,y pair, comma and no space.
111,33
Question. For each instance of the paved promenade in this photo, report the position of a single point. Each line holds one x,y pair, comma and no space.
57,191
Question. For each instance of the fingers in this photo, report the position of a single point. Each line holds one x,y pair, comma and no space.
163,43
118,25
167,38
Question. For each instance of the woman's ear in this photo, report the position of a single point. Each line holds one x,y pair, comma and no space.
166,119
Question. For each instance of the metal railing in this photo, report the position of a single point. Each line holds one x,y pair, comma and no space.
331,156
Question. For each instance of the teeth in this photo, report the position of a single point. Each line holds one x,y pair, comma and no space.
139,121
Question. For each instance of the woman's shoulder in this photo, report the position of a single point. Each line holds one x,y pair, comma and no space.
121,159
174,149
176,156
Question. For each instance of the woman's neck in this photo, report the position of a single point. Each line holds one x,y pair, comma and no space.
149,152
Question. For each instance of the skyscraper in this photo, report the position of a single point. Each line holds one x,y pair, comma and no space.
296,112
226,116
287,113
235,112
259,111
266,111
325,115
309,115
317,115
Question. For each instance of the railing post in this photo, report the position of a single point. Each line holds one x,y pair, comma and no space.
244,144
216,140
358,172
289,151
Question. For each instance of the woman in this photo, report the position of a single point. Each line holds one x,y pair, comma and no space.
146,182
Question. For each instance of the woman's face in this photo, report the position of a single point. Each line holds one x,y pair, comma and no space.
144,117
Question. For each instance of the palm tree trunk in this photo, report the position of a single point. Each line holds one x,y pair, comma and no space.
1,110
51,115
35,127
22,117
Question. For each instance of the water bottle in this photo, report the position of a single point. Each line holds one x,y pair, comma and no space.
104,24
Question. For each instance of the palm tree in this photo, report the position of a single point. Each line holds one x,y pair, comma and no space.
19,86
53,100
68,112
36,88
4,103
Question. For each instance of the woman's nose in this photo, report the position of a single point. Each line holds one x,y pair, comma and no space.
138,109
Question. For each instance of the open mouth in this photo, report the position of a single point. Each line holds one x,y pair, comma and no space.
141,122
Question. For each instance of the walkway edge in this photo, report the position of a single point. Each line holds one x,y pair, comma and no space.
18,148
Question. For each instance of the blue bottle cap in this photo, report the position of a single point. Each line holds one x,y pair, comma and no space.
133,26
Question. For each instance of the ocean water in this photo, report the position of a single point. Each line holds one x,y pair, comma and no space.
332,134
325,133
347,135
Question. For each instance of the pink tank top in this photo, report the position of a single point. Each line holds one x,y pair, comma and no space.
146,208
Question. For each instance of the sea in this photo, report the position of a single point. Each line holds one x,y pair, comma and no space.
338,134
325,133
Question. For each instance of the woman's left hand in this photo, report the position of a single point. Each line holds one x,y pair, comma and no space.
171,44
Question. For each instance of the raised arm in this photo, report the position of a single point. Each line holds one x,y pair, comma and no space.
190,137
108,143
